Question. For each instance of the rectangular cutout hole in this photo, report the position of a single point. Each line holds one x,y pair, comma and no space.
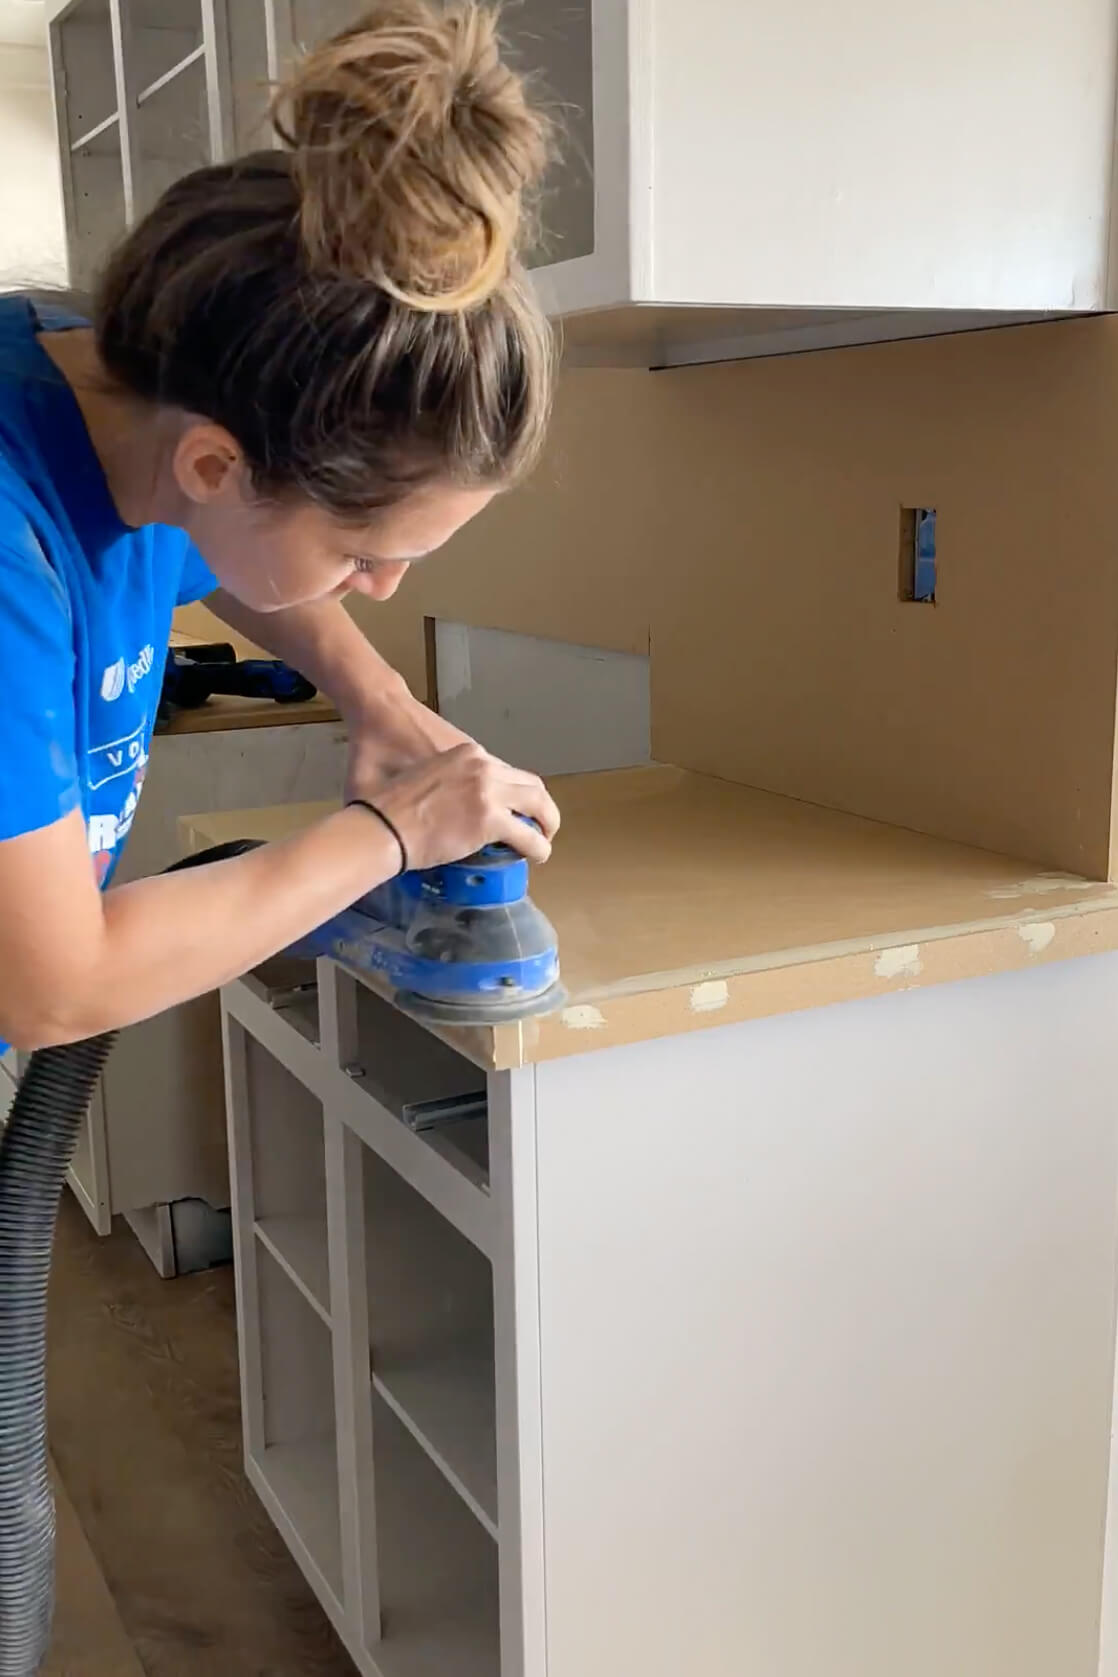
918,555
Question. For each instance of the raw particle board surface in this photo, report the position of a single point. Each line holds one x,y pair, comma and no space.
682,902
570,554
743,522
225,712
783,654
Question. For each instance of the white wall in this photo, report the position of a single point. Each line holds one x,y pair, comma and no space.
32,238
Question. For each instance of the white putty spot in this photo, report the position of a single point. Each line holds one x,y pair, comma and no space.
708,998
1041,885
583,1019
1037,936
902,962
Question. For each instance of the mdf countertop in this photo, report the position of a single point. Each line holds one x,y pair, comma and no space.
683,902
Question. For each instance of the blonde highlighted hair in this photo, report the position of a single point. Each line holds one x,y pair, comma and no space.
352,307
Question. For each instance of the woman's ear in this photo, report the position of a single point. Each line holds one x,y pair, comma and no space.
209,466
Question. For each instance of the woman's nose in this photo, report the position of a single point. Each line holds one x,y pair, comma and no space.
381,583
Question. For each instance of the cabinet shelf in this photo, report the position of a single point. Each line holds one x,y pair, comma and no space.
292,1453
170,75
299,1483
439,1599
299,1245
448,1410
109,125
431,1336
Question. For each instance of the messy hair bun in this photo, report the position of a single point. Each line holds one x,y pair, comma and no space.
351,308
416,151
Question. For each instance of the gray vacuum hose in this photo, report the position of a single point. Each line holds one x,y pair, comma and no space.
35,1155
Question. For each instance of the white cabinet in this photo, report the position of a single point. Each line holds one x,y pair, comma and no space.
137,104
736,178
783,1347
841,172
746,178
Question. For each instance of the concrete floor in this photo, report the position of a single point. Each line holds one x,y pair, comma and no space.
168,1565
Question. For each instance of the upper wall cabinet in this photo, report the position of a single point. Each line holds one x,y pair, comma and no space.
776,176
736,179
138,102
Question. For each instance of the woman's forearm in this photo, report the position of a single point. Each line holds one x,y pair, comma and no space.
74,964
323,643
388,726
167,939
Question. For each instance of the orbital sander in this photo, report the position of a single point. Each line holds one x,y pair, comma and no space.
461,944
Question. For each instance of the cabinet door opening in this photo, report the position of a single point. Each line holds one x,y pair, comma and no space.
431,1335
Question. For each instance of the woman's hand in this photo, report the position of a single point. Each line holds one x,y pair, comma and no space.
395,734
453,804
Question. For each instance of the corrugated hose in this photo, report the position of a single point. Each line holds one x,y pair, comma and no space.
35,1154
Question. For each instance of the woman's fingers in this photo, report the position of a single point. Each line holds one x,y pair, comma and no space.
527,795
521,836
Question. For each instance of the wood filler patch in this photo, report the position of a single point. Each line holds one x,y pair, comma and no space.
1042,885
902,962
583,1019
709,997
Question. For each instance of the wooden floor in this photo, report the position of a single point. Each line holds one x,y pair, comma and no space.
167,1563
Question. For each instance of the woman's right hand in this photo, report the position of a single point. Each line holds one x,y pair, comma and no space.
451,805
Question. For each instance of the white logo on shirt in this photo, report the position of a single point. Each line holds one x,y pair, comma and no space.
112,682
118,758
121,675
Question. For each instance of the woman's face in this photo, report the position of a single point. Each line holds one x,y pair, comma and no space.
271,557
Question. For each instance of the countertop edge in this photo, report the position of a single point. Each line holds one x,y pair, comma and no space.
616,1020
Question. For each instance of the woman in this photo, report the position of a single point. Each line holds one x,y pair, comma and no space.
305,371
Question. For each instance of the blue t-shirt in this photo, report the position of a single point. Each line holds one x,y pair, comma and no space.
85,607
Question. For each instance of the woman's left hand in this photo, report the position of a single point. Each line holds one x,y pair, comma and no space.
396,733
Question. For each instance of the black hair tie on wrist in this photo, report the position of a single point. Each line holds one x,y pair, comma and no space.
363,803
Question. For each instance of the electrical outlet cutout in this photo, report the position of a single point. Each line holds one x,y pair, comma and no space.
918,556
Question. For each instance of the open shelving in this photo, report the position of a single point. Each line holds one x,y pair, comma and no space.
289,1176
167,37
438,1569
86,72
172,128
294,1464
249,79
298,1245
433,1091
140,95
364,1258
431,1335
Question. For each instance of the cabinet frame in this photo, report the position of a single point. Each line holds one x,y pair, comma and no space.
502,1223
620,269
132,93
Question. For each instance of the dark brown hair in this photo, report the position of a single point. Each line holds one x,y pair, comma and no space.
351,307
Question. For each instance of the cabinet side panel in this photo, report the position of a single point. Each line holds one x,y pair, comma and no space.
882,156
827,1327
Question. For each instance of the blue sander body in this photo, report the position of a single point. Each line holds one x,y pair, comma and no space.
461,944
